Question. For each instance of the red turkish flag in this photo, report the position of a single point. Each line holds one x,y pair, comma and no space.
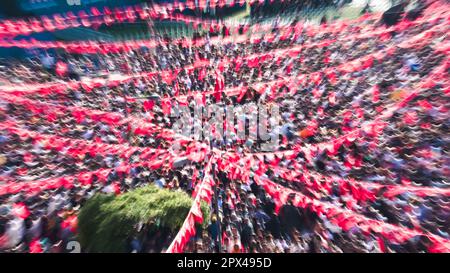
242,93
85,178
61,68
375,94
35,246
166,107
332,98
148,105
197,212
425,104
410,118
202,74
20,210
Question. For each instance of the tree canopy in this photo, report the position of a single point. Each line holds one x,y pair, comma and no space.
106,221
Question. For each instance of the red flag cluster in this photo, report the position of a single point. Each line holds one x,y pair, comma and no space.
203,192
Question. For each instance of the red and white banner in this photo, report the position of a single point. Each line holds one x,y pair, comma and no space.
203,192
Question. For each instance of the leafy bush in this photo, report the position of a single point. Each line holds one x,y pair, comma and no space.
106,221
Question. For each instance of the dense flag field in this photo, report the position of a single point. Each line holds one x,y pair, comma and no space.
278,138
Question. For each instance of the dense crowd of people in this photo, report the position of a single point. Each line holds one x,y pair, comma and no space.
279,7
329,82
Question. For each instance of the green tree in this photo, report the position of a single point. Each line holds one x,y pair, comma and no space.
106,221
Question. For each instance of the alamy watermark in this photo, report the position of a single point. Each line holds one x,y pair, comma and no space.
254,124
73,247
